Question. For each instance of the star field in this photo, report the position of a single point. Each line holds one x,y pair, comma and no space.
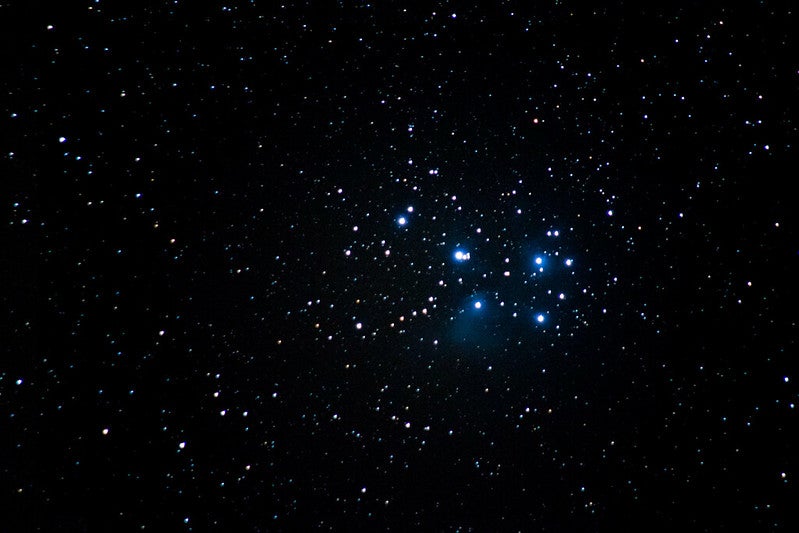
381,267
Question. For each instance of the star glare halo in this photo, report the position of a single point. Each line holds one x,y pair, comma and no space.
461,256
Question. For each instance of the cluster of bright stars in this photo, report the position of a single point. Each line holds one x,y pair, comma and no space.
461,255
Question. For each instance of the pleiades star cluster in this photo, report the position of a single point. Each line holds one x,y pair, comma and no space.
351,266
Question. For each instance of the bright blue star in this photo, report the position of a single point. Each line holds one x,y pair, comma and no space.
569,262
460,255
478,304
539,318
402,221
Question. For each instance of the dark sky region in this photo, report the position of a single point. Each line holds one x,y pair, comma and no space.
349,266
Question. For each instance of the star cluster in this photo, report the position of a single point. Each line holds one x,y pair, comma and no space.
367,266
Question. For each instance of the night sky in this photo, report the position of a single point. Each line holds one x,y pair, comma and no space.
342,266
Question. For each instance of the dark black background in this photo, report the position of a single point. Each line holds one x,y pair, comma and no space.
661,400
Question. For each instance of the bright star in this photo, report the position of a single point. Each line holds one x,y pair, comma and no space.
402,221
539,318
460,255
478,305
569,262
538,261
